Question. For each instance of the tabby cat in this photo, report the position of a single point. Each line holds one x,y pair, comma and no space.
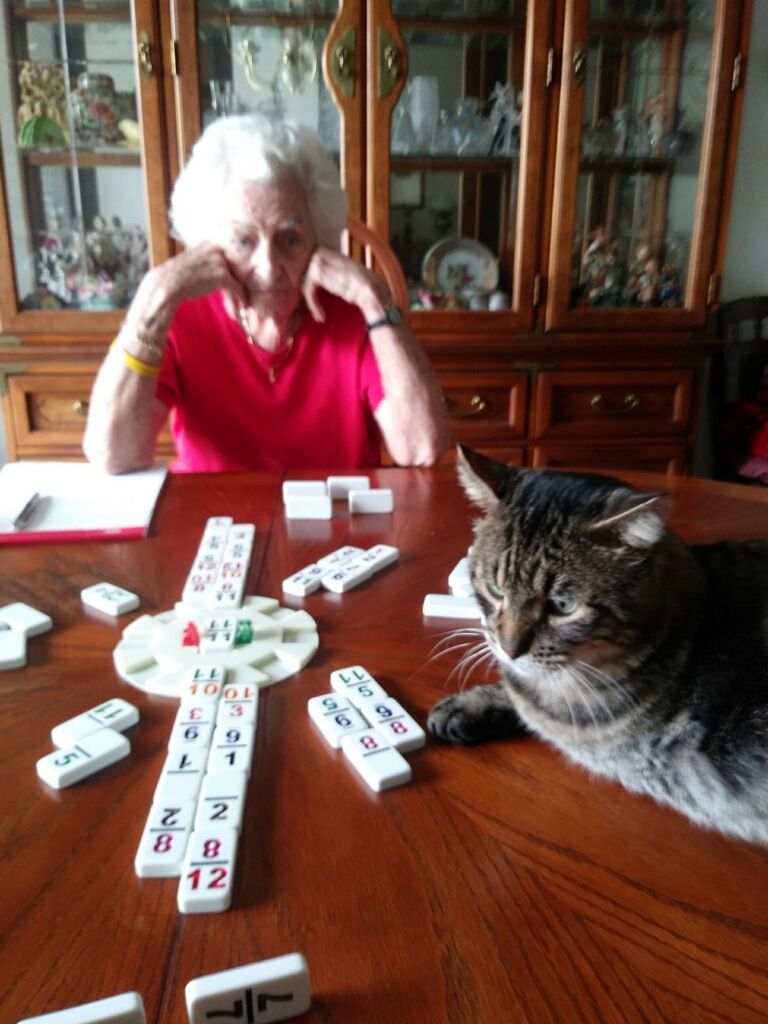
638,656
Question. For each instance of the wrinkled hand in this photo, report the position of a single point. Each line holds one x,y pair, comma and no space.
342,276
196,272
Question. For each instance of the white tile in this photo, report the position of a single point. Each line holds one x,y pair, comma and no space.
222,800
380,556
375,499
448,606
223,599
241,693
344,679
335,717
164,839
298,653
126,1008
115,714
304,582
339,556
181,776
13,649
214,523
187,734
198,594
308,507
200,708
304,489
232,747
108,598
25,618
207,874
71,764
347,576
131,656
230,712
375,760
391,719
459,574
267,991
362,693
340,486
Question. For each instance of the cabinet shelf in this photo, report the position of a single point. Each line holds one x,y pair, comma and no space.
82,157
627,165
76,13
472,164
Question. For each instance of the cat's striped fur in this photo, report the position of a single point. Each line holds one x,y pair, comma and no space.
638,656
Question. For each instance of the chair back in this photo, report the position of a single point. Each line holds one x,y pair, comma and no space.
744,326
379,256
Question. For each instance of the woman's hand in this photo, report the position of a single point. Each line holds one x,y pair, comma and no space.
342,276
193,273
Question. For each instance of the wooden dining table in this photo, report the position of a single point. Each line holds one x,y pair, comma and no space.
502,885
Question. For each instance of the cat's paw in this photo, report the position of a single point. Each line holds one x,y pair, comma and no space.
484,713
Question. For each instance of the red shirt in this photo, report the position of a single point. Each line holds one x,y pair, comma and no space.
226,413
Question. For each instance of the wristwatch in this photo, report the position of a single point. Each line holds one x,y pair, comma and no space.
392,318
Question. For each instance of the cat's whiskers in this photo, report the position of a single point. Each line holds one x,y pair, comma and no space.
471,660
581,681
621,693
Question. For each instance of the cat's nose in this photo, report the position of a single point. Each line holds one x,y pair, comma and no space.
516,644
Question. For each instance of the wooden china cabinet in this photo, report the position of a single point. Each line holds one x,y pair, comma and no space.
554,177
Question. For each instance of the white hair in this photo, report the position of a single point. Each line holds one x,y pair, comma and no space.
255,147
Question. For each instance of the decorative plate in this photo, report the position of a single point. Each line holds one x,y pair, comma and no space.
456,264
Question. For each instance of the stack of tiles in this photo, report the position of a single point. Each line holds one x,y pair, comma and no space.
87,743
341,570
461,603
313,499
19,622
372,728
197,809
219,571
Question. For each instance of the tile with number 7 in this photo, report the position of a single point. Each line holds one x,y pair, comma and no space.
267,991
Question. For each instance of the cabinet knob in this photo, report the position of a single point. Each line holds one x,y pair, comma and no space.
80,407
579,63
629,403
145,55
391,66
343,63
477,406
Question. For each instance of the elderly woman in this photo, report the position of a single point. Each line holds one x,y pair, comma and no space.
270,349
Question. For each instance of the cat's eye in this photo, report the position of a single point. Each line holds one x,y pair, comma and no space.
564,605
495,591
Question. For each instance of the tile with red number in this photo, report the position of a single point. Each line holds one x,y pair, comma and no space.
207,873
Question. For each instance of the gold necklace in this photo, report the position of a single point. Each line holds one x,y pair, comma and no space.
272,371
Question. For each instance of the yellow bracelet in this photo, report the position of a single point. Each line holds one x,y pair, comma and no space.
144,369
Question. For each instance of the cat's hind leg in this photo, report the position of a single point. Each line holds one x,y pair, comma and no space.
482,713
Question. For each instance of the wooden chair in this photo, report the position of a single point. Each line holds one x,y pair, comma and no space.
739,382
379,256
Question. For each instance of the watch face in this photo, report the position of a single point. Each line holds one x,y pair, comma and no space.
393,315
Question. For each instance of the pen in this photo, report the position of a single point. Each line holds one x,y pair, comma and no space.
22,519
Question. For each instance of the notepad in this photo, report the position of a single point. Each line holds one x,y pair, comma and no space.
78,501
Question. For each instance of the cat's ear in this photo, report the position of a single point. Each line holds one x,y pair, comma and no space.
485,480
632,518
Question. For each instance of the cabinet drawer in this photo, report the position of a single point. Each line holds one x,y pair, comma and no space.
667,457
49,410
48,415
591,404
486,406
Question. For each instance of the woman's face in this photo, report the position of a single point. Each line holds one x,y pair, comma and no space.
268,239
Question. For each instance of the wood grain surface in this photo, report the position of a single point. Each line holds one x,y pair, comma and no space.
502,886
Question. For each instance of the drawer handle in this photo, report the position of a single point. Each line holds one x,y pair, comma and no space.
80,407
477,406
630,404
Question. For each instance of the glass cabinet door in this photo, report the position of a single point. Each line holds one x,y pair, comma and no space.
463,149
77,197
643,124
260,55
